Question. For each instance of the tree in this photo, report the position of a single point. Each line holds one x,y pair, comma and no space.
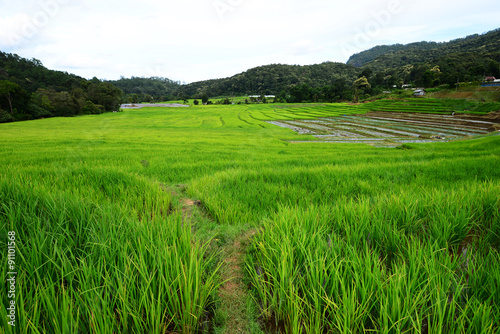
92,109
7,89
105,94
494,69
367,72
5,116
196,102
204,98
301,93
361,85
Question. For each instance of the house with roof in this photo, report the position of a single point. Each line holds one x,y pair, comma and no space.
491,82
419,92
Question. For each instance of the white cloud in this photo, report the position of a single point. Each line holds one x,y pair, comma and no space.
12,30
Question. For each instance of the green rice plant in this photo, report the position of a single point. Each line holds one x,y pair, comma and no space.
479,318
96,269
492,220
343,292
277,272
482,275
353,291
353,238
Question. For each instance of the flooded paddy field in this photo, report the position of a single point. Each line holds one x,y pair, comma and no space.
383,128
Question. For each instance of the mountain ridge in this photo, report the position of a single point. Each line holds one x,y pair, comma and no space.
416,52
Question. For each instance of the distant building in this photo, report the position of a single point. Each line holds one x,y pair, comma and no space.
419,92
491,82
259,96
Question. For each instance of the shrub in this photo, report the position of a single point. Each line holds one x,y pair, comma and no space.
37,111
92,109
5,116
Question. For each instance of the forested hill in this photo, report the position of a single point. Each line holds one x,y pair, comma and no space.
30,74
28,90
139,89
273,79
391,56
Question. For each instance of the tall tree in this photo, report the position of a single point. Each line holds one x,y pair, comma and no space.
7,90
360,85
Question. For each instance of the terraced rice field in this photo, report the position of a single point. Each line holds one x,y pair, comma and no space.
208,220
391,128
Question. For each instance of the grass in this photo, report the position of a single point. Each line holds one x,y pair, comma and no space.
346,232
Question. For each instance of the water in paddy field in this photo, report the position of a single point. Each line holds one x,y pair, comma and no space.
143,105
390,129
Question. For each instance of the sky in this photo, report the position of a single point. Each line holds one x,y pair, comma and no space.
193,40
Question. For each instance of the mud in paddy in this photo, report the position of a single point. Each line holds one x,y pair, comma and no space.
391,129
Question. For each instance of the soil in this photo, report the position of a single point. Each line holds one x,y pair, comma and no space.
186,207
233,292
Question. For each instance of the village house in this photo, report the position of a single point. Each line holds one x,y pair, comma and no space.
258,98
419,92
491,82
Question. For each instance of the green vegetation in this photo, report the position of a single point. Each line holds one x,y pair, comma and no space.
430,64
421,52
348,238
28,90
152,89
273,79
423,64
432,105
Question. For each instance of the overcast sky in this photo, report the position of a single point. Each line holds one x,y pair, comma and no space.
192,40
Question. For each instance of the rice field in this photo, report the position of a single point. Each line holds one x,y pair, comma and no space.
391,128
350,238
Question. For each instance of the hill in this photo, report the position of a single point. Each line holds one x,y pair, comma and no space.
31,75
28,90
272,79
139,89
391,56
425,64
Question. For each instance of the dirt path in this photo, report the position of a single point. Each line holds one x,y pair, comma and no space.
233,292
